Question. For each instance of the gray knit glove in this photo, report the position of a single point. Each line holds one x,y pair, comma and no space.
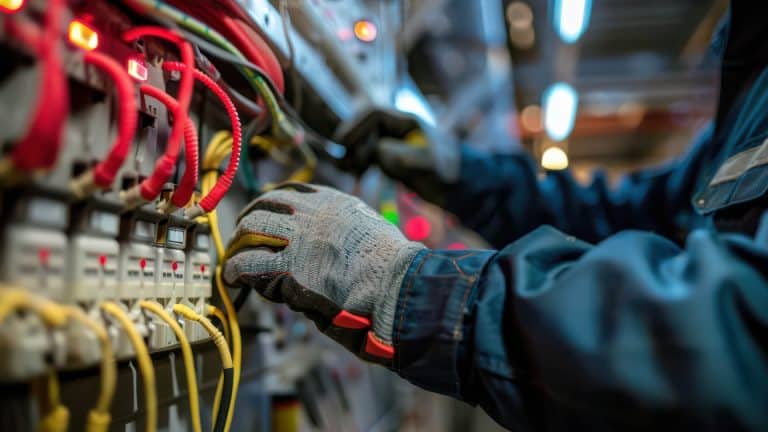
328,255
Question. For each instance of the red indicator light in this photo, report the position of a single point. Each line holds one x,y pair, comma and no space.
43,255
83,36
418,228
137,70
365,31
102,260
456,246
174,266
202,268
142,263
11,6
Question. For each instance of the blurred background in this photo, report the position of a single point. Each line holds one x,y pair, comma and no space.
609,85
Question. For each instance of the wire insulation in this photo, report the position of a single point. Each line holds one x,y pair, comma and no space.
142,357
212,198
151,187
189,360
39,146
104,173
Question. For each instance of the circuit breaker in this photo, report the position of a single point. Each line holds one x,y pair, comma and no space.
36,258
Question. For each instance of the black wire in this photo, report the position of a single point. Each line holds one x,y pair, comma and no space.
226,395
226,56
242,296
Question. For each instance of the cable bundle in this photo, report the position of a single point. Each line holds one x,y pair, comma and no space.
40,145
151,187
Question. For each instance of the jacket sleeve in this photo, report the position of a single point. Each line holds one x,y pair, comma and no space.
502,197
635,333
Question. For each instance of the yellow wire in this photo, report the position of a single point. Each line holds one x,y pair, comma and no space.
13,299
212,310
214,156
57,417
189,361
143,359
99,417
237,354
218,338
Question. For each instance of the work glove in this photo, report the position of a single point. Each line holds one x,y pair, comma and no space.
325,254
422,157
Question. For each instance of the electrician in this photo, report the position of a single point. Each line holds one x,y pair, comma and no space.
640,307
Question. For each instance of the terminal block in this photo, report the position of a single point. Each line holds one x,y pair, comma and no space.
36,259
94,269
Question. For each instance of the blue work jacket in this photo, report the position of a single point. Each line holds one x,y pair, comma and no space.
634,308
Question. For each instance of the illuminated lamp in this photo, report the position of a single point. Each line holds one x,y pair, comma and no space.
554,159
561,102
365,31
11,6
418,228
571,18
83,36
390,213
137,70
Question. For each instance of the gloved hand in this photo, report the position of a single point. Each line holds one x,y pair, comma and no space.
328,255
422,157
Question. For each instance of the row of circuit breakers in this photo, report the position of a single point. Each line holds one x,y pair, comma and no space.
90,251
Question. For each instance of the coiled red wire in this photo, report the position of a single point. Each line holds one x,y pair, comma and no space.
151,187
105,171
189,180
40,145
224,182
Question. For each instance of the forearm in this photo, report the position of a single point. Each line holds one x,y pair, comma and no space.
630,333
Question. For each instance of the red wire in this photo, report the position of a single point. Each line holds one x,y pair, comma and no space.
211,200
228,19
189,180
104,173
40,145
151,187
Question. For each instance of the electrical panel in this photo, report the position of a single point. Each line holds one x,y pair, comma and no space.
120,181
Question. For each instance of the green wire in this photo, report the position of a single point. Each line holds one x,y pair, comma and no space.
281,126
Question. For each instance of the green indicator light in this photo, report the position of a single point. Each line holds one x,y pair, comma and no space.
390,213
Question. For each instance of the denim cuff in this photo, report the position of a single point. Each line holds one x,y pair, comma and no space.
431,334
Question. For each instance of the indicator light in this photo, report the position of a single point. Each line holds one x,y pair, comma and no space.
554,159
102,260
43,255
11,6
389,212
174,266
137,70
202,268
418,228
142,263
365,31
83,36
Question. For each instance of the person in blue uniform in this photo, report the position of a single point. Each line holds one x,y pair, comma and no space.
634,308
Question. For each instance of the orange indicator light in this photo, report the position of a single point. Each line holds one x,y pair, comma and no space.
83,36
11,6
365,31
137,70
